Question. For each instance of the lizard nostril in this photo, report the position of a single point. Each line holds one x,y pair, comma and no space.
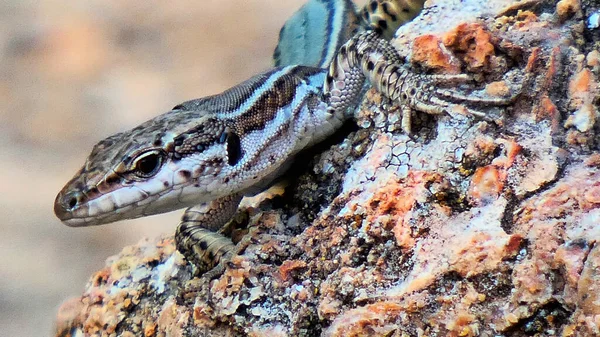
67,205
72,200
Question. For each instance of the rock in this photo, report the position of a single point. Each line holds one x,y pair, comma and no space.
466,228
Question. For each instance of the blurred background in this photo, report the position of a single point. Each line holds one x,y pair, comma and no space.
74,72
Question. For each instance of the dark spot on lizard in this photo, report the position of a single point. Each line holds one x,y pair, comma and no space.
157,142
412,91
185,173
384,7
178,141
382,24
386,10
165,183
329,78
203,245
92,191
234,148
373,5
112,180
370,65
405,10
72,202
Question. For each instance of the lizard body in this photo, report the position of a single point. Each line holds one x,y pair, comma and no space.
314,34
206,154
385,16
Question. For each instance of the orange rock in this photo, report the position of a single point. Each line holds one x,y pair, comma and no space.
486,184
589,284
150,330
391,203
473,40
202,318
289,266
511,149
460,325
593,59
68,316
567,8
498,88
580,86
571,257
329,307
429,50
546,109
374,319
533,59
482,251
483,145
593,160
526,18
592,195
582,93
552,66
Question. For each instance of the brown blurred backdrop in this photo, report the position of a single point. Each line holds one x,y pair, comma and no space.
75,72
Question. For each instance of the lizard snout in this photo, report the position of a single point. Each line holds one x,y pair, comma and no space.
66,203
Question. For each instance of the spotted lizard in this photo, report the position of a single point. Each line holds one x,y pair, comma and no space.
207,154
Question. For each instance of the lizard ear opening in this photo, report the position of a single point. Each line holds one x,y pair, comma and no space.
234,146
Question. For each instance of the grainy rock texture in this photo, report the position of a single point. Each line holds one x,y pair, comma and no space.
466,228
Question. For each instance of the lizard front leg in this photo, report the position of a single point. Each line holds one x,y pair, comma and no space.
197,237
369,54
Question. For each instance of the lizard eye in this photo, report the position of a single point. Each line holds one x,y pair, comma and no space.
148,163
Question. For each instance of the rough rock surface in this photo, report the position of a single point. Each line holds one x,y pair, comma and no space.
466,228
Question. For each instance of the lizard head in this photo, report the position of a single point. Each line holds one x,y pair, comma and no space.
199,151
148,170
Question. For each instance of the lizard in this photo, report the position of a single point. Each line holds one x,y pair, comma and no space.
206,154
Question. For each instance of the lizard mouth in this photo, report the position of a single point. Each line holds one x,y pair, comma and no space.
76,209
89,202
